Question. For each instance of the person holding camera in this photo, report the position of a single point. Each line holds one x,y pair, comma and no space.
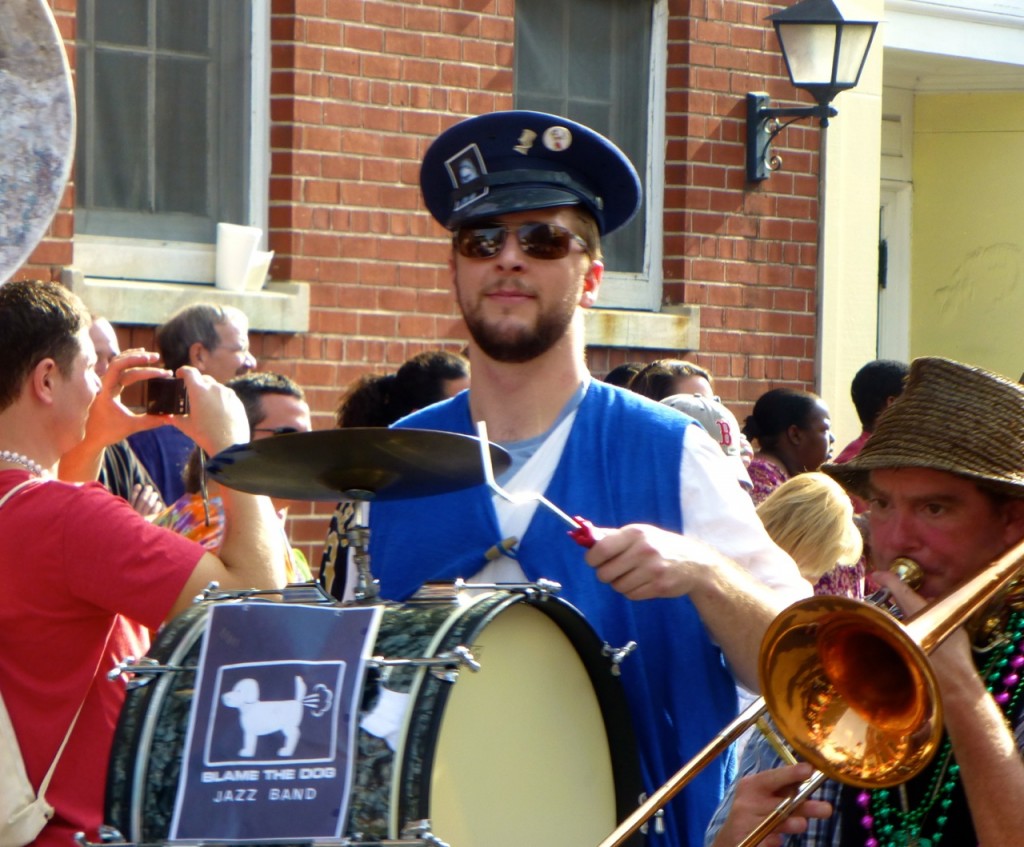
121,472
215,341
85,576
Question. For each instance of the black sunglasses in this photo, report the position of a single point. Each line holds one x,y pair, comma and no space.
537,240
277,430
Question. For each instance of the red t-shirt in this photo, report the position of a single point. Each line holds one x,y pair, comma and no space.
76,564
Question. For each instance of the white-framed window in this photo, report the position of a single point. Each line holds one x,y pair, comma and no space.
602,63
173,117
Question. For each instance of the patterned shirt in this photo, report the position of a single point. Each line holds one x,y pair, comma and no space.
843,828
187,517
766,477
843,580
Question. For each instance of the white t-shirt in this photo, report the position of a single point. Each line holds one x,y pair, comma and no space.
715,507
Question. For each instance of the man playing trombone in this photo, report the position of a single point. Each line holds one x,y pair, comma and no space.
944,478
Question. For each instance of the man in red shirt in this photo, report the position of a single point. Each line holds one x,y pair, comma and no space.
85,577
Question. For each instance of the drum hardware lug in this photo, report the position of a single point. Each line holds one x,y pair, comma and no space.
462,656
211,588
421,830
108,835
542,587
445,666
658,817
139,672
618,655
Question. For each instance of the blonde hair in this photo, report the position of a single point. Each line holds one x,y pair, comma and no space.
811,518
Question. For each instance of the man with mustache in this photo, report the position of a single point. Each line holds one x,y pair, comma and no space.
943,476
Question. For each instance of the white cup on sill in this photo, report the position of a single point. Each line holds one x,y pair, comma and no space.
236,246
259,267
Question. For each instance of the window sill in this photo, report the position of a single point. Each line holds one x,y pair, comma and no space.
678,329
279,307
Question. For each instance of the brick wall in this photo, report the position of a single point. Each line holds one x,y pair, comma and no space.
358,90
745,254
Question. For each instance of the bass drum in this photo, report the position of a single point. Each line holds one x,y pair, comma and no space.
534,748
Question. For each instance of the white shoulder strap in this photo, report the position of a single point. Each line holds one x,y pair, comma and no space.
30,481
53,765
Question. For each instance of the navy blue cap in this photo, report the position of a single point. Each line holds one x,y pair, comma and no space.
516,161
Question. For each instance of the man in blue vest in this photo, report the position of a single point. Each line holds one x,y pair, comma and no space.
527,197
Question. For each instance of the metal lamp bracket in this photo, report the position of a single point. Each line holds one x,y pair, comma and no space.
763,125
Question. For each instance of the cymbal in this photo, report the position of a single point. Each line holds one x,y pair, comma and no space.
358,463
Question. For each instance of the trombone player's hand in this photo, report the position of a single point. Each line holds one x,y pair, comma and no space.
952,662
758,794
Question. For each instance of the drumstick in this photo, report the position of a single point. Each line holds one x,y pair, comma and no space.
583,531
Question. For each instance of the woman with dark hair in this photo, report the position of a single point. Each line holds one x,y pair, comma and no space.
793,435
381,399
664,377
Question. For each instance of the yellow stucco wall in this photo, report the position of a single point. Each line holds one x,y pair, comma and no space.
967,292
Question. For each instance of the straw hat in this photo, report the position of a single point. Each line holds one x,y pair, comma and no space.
951,417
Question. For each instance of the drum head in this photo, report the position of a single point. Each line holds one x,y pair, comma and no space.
522,756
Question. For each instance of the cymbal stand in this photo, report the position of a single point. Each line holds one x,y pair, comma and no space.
367,588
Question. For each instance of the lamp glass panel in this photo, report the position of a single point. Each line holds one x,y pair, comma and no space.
853,49
809,50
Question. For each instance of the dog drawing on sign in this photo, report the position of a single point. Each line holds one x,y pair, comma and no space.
265,717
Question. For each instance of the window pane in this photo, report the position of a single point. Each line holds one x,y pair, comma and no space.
590,60
590,47
119,160
183,25
122,21
163,117
181,136
540,76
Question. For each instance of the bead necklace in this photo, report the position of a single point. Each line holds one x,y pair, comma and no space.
889,826
20,459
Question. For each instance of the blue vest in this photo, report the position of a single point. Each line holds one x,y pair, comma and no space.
620,465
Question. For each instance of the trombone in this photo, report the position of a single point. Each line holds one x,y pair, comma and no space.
850,689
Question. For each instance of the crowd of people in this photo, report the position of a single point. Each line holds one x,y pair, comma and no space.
698,532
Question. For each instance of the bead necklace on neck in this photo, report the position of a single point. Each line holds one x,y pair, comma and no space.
23,460
889,824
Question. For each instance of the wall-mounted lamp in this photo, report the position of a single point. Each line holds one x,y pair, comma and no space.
825,54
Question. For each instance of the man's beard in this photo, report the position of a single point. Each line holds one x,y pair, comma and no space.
520,344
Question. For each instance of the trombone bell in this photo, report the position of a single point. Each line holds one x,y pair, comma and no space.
851,691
